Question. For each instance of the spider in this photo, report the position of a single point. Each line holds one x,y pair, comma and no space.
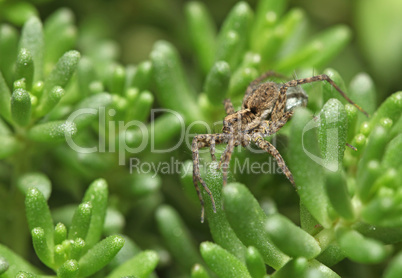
263,112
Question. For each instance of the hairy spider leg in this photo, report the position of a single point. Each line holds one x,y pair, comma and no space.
228,107
212,148
274,127
323,77
201,141
257,121
225,158
269,148
279,117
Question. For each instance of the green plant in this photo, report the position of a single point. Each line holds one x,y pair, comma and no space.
346,206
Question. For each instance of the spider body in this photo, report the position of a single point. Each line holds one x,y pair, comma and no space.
263,112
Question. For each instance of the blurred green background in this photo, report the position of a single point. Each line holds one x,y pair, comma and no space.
130,29
136,25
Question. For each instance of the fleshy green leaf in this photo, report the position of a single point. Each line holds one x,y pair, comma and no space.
32,39
19,12
97,194
16,263
63,70
77,248
369,168
177,237
117,80
294,268
37,180
361,249
3,265
143,76
198,271
291,239
57,131
9,145
231,45
267,14
318,51
81,220
255,263
308,175
69,269
38,215
140,266
100,255
394,268
391,108
49,101
223,263
217,82
60,34
60,233
247,219
90,109
202,32
241,78
173,91
338,195
275,38
5,99
142,107
329,91
21,107
332,134
228,50
220,228
363,93
42,249
392,157
24,67
86,76
8,53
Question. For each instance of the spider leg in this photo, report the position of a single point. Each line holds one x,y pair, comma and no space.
212,148
225,158
322,77
265,75
275,126
257,121
268,147
196,173
200,141
228,107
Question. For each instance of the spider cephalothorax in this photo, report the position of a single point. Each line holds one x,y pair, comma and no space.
264,111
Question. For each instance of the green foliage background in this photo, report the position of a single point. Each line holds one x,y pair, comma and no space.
71,214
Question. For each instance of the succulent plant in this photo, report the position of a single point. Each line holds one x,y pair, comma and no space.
71,118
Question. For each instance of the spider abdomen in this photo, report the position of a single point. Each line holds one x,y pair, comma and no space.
262,98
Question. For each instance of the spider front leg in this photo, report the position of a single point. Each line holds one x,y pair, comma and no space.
200,141
322,77
268,147
228,107
225,158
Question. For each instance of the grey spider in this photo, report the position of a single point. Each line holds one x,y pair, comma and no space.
263,112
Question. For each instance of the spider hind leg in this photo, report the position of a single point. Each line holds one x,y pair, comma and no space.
269,148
